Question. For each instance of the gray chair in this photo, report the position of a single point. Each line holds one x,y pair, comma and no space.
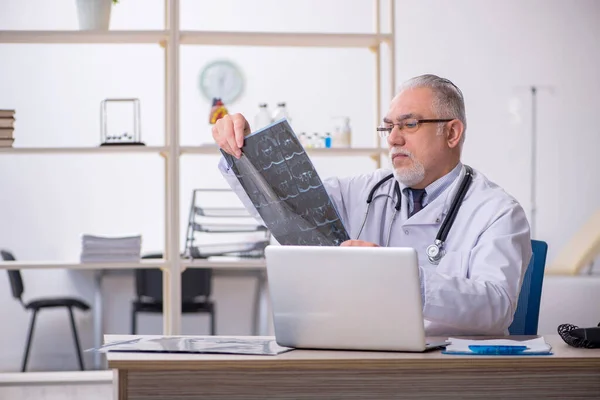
16,285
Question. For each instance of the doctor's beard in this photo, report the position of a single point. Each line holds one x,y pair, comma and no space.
408,176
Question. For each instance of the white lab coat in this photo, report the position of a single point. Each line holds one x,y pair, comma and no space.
474,289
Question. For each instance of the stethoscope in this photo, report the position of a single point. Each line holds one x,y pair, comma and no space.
435,251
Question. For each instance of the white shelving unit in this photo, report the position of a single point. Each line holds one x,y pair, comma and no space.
171,39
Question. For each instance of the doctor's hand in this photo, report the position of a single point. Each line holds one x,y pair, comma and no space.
229,133
358,243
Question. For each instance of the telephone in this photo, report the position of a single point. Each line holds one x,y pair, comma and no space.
575,336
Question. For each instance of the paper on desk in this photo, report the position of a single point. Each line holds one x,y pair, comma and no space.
200,344
535,346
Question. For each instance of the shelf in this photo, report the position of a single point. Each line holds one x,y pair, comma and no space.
228,263
64,37
210,149
204,149
83,150
282,39
340,152
213,38
344,152
157,263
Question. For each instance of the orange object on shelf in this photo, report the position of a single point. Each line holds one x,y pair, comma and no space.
217,111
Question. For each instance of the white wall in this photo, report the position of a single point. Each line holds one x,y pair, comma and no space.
492,50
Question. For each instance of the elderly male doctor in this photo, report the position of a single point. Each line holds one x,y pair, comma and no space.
473,289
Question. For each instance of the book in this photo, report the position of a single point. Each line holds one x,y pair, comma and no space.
7,122
197,344
6,133
6,142
284,187
7,113
503,347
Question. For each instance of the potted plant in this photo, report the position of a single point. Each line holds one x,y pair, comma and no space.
94,14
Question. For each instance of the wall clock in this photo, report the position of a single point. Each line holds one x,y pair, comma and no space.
221,79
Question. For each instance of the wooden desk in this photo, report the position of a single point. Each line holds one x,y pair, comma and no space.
301,374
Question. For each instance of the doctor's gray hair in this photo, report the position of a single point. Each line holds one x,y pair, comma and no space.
449,101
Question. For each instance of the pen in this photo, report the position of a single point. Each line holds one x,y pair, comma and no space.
497,350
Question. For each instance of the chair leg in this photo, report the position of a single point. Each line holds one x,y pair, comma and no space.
133,321
29,337
213,327
76,338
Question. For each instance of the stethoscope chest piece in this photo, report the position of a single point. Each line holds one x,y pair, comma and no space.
435,252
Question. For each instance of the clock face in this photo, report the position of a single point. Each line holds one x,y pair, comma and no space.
221,79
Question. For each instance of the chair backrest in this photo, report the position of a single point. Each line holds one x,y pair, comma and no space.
14,276
526,317
195,283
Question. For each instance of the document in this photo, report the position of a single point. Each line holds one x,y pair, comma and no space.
507,347
285,189
110,249
191,344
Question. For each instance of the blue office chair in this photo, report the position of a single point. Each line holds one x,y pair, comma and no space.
527,314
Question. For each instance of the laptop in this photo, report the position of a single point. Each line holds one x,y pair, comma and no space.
346,298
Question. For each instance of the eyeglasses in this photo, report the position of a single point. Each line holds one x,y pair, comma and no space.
409,125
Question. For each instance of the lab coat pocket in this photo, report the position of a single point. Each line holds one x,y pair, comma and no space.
453,264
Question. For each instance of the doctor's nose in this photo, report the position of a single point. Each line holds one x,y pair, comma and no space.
396,137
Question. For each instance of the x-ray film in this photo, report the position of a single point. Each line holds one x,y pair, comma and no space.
286,190
201,344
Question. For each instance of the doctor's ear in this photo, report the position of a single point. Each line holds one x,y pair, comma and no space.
454,132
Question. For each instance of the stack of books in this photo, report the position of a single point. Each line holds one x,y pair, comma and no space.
100,249
7,127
